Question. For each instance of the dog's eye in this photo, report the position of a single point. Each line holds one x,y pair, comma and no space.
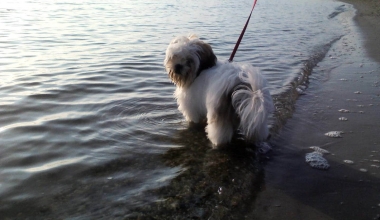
189,61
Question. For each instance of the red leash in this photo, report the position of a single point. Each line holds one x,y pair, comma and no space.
241,35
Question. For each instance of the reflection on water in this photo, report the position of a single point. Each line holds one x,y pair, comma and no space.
54,164
88,124
212,184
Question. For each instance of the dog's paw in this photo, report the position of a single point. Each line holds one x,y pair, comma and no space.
218,134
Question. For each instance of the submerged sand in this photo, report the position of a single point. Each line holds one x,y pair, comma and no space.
348,78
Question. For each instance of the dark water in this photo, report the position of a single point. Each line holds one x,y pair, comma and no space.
88,124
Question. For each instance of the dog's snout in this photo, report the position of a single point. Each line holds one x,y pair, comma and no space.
178,68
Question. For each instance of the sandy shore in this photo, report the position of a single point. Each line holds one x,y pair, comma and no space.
348,78
368,19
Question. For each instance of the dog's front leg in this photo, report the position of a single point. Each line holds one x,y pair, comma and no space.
219,128
191,116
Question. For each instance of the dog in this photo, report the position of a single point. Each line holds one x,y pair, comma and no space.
231,97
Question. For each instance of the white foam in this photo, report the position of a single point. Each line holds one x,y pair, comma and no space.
316,160
334,134
344,110
319,150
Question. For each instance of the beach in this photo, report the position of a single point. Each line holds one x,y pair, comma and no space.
89,127
343,95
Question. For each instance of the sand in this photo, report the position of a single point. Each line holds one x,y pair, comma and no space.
368,20
348,78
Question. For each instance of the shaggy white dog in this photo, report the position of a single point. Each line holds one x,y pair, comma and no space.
230,96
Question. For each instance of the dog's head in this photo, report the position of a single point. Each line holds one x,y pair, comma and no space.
186,58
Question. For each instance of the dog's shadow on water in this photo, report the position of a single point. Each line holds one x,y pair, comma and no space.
212,184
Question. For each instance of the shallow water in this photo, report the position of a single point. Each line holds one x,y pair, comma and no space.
87,117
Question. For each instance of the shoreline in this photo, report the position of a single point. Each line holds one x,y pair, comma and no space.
368,20
347,78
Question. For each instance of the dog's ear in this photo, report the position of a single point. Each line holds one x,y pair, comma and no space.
206,56
193,36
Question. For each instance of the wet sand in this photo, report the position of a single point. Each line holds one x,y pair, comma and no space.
348,78
368,20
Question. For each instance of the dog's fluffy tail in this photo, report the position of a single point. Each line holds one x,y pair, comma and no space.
253,103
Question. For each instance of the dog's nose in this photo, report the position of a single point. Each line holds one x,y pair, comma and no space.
178,68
